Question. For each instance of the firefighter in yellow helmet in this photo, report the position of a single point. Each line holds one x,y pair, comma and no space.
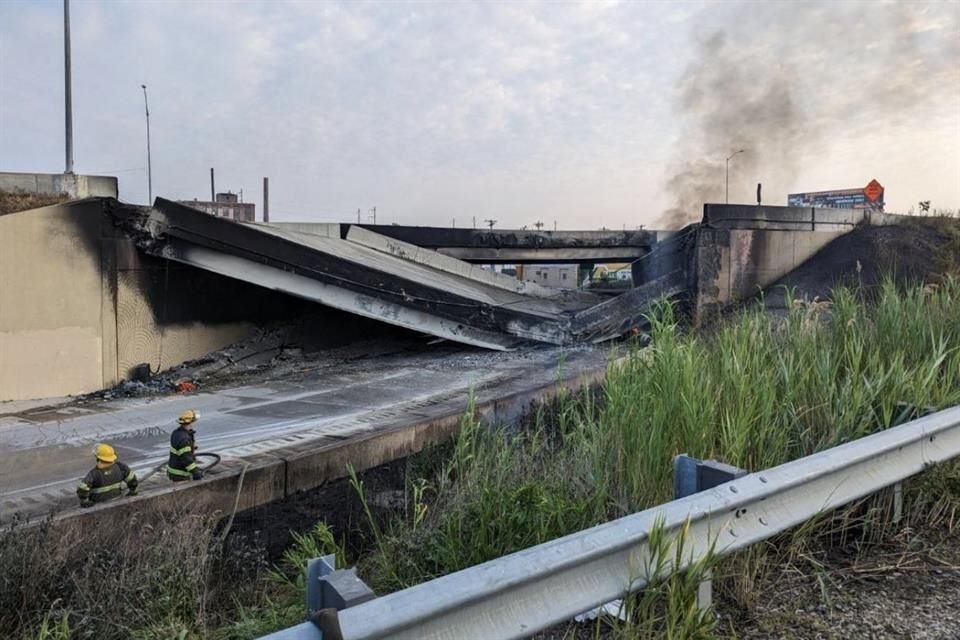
182,464
105,481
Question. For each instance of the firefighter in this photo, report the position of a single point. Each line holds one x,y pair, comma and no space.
105,481
183,464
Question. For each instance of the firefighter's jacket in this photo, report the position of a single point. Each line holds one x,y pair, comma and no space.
182,464
105,482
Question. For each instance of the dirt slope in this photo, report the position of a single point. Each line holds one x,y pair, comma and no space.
919,250
12,201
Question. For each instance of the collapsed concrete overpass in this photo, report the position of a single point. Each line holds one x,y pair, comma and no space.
367,274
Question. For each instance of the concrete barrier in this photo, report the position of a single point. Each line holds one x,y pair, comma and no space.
71,185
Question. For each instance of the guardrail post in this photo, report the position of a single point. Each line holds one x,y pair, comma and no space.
897,502
691,476
906,412
330,590
317,569
684,476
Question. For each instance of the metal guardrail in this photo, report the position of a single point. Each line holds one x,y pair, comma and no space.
520,594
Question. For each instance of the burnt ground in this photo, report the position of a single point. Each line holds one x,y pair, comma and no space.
918,250
907,588
271,527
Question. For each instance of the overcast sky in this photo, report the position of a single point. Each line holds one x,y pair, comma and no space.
591,114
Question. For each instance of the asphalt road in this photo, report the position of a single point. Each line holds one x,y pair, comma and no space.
45,450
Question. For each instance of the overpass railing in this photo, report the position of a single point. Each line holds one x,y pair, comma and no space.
517,595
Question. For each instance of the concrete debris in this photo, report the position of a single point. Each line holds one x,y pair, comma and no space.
136,388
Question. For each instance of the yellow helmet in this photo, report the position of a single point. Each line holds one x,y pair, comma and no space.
189,416
105,453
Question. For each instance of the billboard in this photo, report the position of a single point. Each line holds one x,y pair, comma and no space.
868,197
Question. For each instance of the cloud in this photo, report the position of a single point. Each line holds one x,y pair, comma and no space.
515,111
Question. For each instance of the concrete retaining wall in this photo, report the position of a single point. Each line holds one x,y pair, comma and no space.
735,264
52,303
56,184
79,306
742,249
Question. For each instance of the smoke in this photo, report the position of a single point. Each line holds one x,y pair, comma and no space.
786,80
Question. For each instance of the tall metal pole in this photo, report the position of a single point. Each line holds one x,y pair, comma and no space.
726,178
266,199
68,91
146,109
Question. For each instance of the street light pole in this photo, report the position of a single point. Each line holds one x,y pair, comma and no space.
726,198
68,91
146,109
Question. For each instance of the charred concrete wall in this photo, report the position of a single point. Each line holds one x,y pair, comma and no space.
741,249
79,306
148,332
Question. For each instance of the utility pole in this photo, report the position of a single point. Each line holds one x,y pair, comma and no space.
213,194
374,210
68,89
146,110
358,216
490,222
474,222
266,199
726,173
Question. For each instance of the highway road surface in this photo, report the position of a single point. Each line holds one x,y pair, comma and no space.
46,450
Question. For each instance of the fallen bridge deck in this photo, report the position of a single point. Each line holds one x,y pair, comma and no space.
364,274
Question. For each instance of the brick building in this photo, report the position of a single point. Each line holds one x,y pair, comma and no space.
227,205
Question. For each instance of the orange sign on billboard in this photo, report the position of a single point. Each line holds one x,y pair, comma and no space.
873,191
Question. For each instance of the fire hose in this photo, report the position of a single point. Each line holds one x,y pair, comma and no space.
163,465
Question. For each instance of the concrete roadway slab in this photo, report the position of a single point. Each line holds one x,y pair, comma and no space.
44,451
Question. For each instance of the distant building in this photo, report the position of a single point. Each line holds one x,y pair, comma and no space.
227,205
559,276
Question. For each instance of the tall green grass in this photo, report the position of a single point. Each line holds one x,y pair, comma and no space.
757,391
762,390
